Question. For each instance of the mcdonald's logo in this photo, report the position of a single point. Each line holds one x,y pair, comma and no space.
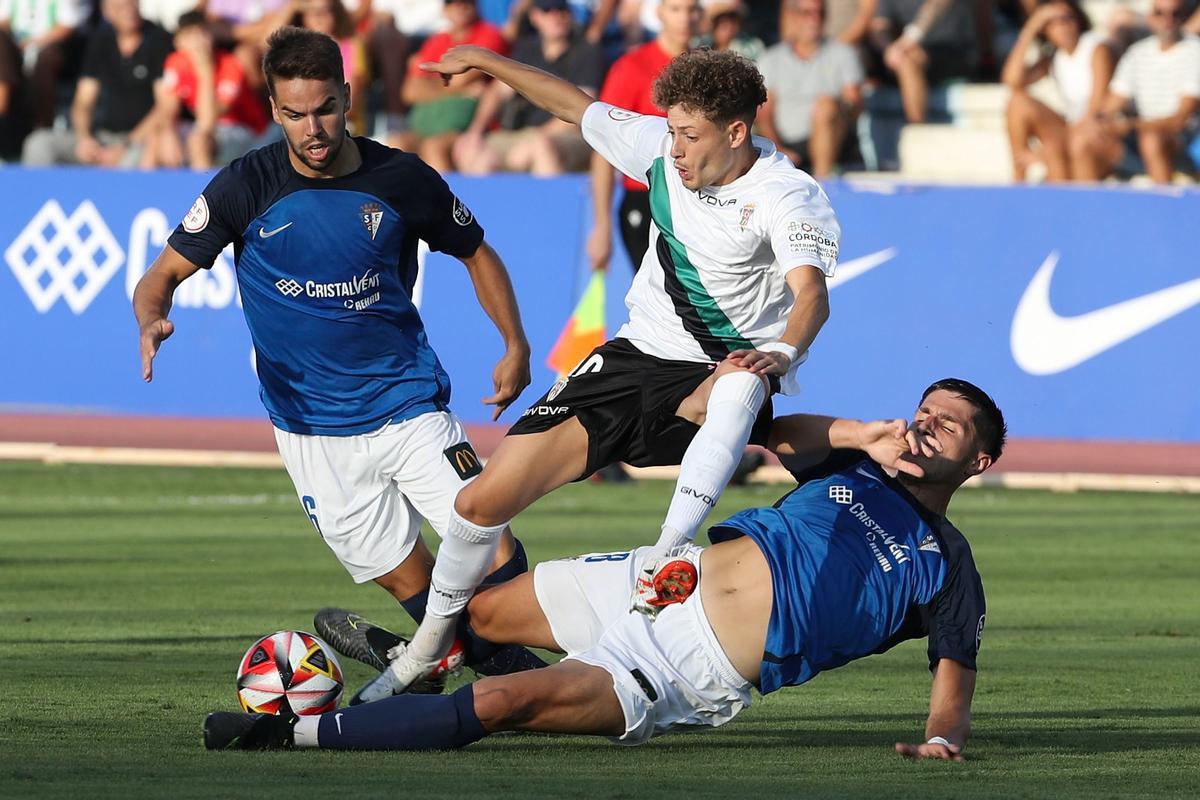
462,457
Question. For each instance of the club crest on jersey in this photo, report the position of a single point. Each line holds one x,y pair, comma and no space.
747,213
558,386
372,218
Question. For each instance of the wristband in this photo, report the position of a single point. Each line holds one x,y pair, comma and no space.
780,347
938,740
913,32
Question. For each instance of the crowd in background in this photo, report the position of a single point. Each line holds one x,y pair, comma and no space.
174,83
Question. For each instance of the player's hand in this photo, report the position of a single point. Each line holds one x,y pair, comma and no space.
920,443
456,61
599,247
510,377
887,442
943,752
760,363
153,334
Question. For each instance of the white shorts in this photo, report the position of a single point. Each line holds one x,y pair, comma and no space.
667,673
367,494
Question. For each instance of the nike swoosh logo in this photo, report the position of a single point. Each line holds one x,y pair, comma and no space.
1045,343
866,474
854,268
263,233
337,718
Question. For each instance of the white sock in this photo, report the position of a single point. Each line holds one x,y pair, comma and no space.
463,561
713,455
304,732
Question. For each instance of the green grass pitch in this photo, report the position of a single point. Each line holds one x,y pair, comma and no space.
127,596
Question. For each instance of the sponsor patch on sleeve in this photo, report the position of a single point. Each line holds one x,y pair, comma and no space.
462,457
810,239
197,218
462,215
620,114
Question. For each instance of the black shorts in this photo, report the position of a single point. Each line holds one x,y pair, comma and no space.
626,402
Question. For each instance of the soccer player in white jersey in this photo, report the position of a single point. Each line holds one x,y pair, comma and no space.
723,309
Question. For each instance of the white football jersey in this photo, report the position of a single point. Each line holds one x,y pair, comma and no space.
713,278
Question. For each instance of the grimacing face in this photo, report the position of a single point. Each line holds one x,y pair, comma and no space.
702,151
948,419
312,114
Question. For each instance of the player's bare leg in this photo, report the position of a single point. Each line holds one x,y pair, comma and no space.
522,470
511,614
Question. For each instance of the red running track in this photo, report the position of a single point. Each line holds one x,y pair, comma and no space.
255,435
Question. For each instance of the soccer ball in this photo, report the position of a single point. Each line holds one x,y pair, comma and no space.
289,671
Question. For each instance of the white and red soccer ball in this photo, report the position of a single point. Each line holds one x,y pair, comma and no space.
289,671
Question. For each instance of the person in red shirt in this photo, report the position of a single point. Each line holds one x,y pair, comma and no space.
629,85
440,112
212,85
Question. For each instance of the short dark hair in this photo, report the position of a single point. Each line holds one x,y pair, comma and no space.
720,85
989,422
299,53
191,19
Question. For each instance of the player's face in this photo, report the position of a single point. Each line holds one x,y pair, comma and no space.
312,114
948,419
702,151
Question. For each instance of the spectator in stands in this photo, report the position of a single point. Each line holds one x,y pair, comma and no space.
924,43
441,112
629,85
1079,62
531,140
814,90
14,114
847,21
723,29
211,84
50,35
331,18
388,48
1160,77
111,118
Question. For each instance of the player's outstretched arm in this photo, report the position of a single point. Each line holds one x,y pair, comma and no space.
801,440
554,95
810,310
495,292
949,722
152,302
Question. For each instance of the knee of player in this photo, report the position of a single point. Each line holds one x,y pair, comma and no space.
502,703
479,506
483,616
736,384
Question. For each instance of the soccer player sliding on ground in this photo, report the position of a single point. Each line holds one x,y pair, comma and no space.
729,298
849,563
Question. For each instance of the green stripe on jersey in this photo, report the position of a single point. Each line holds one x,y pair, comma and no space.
710,313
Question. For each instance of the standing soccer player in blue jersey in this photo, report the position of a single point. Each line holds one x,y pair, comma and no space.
325,230
850,563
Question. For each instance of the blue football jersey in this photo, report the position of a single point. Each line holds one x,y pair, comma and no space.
326,269
859,566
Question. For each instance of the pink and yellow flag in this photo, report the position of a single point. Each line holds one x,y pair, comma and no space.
584,330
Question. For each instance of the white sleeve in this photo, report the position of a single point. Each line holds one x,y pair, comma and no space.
73,13
804,230
1189,83
628,141
1122,82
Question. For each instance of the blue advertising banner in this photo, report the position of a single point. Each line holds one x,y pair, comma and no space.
1077,308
